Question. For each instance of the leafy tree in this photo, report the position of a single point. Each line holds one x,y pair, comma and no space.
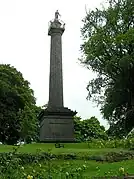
88,129
29,124
78,128
15,96
131,134
108,50
117,130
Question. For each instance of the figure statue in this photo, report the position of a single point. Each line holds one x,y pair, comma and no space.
57,15
64,25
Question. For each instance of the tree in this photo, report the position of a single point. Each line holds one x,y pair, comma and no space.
29,124
88,129
108,50
131,134
15,96
117,130
77,128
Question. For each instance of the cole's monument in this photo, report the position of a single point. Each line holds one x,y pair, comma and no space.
56,121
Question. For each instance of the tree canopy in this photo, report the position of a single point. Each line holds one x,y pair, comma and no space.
108,50
16,96
88,129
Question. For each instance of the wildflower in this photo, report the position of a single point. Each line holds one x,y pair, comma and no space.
121,169
84,166
68,163
29,177
79,169
53,158
67,174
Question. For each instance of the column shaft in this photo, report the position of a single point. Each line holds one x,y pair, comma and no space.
55,77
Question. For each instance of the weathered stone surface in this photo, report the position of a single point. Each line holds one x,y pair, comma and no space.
55,76
57,111
56,122
57,128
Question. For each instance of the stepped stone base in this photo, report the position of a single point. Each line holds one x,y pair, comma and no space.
56,125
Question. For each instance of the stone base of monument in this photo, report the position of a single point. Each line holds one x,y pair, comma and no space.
56,125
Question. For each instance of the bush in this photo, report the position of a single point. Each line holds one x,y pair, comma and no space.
11,164
116,143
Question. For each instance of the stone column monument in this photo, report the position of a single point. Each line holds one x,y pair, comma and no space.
56,121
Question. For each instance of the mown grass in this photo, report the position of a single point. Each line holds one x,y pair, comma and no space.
68,148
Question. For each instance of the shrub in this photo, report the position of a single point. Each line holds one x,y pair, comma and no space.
116,143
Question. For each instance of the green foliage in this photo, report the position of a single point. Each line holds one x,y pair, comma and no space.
29,124
88,129
117,130
131,134
108,50
16,97
47,165
11,166
112,143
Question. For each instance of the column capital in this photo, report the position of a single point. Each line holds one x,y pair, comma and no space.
56,25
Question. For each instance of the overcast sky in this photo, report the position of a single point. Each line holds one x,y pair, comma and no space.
24,44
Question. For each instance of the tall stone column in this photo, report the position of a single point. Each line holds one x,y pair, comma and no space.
56,121
55,78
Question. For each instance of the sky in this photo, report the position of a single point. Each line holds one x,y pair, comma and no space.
25,44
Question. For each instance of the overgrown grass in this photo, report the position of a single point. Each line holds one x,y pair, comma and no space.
92,168
68,169
79,164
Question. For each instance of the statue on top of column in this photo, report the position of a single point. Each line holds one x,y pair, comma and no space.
56,22
57,15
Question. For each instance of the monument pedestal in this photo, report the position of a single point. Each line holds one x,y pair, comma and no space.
56,125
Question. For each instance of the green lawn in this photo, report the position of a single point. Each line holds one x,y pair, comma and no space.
68,148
